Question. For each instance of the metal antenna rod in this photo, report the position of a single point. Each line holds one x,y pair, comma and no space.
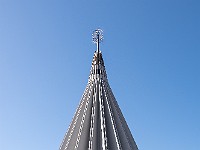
97,38
98,43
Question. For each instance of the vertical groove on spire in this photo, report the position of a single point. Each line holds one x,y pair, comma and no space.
111,121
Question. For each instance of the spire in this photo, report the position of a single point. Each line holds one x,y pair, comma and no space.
98,123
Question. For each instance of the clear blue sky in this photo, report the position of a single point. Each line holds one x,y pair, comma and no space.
152,56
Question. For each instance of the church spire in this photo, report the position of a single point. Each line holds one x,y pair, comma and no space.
98,123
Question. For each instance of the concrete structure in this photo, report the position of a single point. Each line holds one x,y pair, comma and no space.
98,123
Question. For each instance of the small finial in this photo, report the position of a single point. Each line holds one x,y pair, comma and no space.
97,37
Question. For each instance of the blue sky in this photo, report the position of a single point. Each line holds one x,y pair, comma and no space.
151,53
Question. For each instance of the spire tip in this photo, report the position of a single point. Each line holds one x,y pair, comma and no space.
97,37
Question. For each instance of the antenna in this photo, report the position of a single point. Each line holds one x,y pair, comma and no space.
97,37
